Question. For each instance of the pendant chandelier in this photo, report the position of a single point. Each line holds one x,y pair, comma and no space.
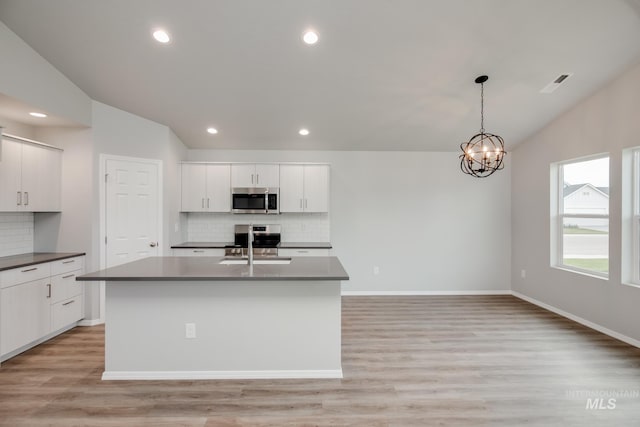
484,153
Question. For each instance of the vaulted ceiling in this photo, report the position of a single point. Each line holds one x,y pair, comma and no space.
384,75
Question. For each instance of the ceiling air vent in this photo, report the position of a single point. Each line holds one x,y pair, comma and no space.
556,83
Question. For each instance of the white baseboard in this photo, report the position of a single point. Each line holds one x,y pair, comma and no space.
90,322
578,319
221,375
409,293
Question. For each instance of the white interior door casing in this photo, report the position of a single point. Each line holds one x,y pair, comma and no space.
132,211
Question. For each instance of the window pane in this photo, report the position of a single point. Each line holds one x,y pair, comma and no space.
585,243
586,187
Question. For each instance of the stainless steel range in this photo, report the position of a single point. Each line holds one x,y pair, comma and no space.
266,239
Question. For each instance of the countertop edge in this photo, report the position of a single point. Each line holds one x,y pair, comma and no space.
212,279
52,258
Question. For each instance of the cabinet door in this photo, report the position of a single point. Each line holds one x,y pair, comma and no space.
291,188
218,188
316,188
194,181
267,175
31,192
10,170
25,314
243,175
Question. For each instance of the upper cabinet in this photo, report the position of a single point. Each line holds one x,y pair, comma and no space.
304,188
255,175
30,177
206,187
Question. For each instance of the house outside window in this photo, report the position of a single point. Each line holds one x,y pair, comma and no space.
582,229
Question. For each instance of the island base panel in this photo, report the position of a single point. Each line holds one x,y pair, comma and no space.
266,329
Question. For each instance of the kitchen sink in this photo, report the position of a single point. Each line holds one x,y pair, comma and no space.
256,261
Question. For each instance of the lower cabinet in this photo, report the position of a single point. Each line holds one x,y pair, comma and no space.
198,252
303,252
31,310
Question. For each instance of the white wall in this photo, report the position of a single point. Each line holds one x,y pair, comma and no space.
18,129
415,215
605,122
27,76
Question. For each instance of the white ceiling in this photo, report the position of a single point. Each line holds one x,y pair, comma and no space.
385,75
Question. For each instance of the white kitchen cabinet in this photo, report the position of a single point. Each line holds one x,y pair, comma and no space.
30,177
198,252
37,301
303,252
25,314
206,187
304,188
255,175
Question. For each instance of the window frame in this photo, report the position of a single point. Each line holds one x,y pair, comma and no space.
635,218
560,217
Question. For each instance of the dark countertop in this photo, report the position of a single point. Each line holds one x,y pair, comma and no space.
23,260
283,245
305,245
201,245
208,269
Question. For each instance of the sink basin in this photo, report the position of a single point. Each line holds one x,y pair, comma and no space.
256,261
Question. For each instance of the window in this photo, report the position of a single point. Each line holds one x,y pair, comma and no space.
581,232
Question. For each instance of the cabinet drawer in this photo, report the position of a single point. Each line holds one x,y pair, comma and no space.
24,274
66,265
198,252
66,312
64,286
303,252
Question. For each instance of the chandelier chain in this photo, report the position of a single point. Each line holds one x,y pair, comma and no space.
481,107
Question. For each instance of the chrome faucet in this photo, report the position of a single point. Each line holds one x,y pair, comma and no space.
250,244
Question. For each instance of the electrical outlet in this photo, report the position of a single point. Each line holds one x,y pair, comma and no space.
376,270
523,274
190,330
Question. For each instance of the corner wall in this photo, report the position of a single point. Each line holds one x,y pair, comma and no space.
606,122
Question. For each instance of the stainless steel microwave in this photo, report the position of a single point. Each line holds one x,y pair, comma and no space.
258,200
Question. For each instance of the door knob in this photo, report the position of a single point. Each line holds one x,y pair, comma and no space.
153,244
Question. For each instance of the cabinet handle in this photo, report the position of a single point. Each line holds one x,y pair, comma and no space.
203,203
49,290
69,302
303,252
208,200
300,203
67,276
30,269
68,262
252,178
258,179
26,198
19,200
197,251
305,203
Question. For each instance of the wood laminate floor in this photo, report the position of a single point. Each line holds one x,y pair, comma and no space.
407,361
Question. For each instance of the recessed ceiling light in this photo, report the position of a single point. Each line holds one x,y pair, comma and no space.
212,131
304,132
310,37
39,115
161,36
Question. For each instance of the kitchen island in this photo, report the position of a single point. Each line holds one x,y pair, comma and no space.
196,318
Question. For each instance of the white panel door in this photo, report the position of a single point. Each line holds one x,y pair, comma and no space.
194,187
291,188
10,170
132,207
316,188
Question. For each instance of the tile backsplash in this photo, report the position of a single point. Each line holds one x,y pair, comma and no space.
16,233
212,227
